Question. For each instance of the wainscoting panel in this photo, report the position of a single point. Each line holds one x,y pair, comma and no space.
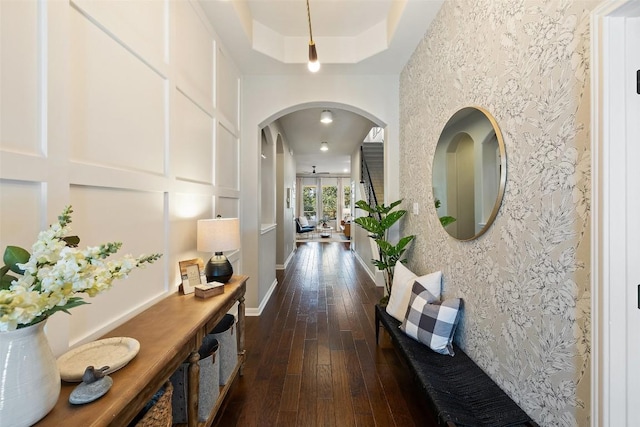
227,88
192,142
96,221
22,204
227,155
139,25
193,55
19,84
117,103
228,207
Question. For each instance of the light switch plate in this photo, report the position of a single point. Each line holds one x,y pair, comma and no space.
416,209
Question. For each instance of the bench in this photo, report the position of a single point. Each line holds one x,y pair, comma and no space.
459,391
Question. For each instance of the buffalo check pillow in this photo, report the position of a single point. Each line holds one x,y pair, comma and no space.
432,324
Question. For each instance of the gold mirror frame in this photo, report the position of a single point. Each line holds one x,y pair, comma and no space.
470,141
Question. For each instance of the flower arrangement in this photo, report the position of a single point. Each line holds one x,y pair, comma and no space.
55,273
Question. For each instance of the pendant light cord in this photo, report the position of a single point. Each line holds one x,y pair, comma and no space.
309,19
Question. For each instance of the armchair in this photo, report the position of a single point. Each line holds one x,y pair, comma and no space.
300,229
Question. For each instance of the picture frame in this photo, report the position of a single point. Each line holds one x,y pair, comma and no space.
192,274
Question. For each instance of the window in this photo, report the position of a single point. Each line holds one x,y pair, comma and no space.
329,201
347,197
309,201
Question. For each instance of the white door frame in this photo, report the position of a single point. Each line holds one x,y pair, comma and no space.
615,226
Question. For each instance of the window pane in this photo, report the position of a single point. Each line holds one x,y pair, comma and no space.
347,197
309,201
329,201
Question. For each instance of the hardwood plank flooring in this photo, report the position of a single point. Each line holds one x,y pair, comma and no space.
312,358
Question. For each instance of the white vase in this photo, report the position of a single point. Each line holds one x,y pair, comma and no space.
29,378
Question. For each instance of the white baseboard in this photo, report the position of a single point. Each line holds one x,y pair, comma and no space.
288,260
367,269
263,303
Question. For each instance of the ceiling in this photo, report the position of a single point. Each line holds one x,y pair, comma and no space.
305,132
352,37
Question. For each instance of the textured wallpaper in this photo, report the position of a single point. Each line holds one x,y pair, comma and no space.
526,281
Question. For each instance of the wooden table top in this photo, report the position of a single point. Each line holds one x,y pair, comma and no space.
168,332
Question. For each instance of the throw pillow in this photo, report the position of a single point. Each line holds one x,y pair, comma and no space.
431,282
303,221
400,287
432,324
403,280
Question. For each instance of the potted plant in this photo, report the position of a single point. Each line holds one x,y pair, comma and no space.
381,218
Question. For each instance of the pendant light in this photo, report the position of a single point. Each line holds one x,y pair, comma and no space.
314,64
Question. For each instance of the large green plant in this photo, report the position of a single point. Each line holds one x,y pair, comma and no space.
381,218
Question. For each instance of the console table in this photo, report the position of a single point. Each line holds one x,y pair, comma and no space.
169,333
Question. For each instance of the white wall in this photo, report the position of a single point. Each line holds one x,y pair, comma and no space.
265,98
285,179
129,111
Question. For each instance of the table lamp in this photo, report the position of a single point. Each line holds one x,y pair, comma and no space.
218,235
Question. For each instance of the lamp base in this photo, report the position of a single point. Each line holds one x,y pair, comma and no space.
218,269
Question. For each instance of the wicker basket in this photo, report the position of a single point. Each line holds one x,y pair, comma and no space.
159,414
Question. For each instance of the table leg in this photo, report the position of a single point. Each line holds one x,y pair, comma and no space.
194,389
240,336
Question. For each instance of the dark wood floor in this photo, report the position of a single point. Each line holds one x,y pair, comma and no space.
312,358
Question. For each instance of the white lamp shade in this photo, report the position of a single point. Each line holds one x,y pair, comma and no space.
326,116
218,235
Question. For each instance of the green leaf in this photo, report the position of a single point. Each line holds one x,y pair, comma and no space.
72,241
370,224
5,281
14,255
446,220
71,303
364,206
4,270
393,217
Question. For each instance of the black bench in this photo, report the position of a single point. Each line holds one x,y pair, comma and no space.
459,391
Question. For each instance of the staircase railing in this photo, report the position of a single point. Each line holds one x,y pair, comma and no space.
365,180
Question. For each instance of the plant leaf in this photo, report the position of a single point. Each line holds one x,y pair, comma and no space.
370,224
14,255
71,303
391,219
446,220
5,282
72,241
364,206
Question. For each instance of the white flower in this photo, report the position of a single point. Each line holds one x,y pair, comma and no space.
56,273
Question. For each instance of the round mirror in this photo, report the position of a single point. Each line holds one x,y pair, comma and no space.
469,173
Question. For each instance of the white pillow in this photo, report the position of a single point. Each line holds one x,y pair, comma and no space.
431,282
400,291
401,294
303,221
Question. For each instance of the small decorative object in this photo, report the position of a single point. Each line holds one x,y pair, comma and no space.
46,281
93,386
192,274
381,218
218,235
209,290
113,352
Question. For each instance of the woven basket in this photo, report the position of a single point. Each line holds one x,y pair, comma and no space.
159,415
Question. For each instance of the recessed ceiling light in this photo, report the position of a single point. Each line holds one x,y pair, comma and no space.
326,116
